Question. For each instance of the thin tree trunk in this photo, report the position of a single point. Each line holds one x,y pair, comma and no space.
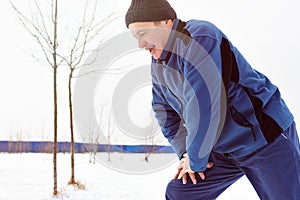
55,136
72,181
55,100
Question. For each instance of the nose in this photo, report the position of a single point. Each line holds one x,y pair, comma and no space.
142,43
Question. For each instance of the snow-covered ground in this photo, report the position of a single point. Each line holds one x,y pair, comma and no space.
28,176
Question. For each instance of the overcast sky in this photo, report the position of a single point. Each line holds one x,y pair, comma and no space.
266,32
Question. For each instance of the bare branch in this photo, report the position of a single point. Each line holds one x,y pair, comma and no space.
115,71
30,27
86,33
43,21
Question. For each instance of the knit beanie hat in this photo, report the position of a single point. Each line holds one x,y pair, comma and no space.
149,11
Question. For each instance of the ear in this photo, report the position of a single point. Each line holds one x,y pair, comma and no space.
169,23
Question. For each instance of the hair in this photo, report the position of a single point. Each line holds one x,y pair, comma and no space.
159,22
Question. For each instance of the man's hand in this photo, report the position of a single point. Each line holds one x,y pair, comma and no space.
184,170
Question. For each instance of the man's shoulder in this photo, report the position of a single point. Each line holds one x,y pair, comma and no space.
198,28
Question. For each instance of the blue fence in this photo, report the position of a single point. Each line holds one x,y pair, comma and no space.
65,147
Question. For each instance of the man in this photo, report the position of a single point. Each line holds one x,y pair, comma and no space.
223,118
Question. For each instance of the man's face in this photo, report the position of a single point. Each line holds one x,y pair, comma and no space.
152,36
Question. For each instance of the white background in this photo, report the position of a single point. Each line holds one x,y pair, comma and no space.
266,32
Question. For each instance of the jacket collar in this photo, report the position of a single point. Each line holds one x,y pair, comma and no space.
178,31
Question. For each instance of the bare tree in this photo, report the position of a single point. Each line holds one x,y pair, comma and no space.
87,32
94,138
93,147
149,137
48,42
45,31
109,134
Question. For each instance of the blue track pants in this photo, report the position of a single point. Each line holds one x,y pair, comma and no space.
273,170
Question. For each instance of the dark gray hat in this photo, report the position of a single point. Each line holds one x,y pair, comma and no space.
149,11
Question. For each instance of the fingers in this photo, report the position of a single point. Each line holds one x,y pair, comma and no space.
210,165
181,173
180,170
184,179
193,178
202,176
177,174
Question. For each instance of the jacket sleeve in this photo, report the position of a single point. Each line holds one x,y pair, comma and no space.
203,112
171,124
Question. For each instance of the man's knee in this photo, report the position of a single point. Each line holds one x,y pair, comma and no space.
176,190
173,191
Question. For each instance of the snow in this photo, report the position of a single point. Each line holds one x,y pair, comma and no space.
28,176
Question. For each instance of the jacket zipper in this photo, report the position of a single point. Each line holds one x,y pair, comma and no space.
172,93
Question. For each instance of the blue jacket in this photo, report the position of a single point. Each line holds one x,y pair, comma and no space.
207,97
